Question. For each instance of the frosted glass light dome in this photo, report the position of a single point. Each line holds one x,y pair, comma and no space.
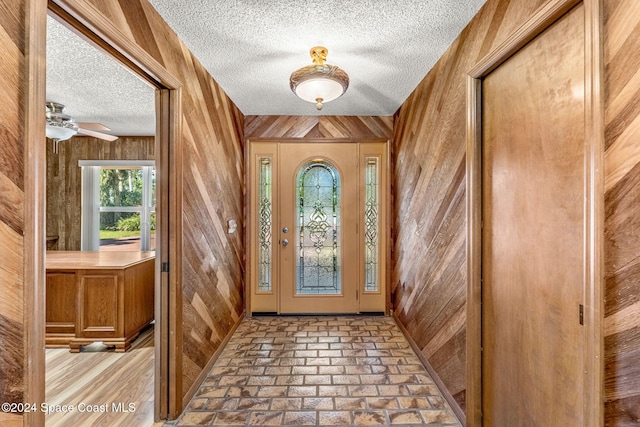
320,82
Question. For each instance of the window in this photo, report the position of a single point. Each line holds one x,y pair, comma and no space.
118,205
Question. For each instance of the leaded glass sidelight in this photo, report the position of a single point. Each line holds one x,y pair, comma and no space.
318,229
371,221
265,220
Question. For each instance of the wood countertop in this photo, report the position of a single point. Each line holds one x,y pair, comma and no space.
74,260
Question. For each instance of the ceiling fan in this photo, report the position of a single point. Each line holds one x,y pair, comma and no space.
61,126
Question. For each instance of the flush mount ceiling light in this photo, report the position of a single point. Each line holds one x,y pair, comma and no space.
320,82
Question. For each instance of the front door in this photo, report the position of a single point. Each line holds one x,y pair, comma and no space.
317,232
318,229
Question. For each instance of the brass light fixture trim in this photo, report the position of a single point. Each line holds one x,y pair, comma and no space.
319,82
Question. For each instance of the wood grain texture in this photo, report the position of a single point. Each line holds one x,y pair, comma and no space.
429,134
12,216
429,272
212,188
61,308
64,180
100,376
533,197
98,296
622,212
319,127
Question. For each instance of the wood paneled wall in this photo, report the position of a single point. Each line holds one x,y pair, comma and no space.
12,202
319,127
622,212
64,180
213,187
429,275
429,272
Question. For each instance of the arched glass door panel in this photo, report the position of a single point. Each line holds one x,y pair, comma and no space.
318,229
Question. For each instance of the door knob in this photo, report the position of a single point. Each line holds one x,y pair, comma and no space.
285,242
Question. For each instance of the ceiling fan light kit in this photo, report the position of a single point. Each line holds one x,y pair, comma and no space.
319,82
61,126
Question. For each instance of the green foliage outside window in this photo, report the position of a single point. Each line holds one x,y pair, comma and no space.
119,187
132,223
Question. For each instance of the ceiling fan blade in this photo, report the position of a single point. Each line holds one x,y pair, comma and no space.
92,126
95,134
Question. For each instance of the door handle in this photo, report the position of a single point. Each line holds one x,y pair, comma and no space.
285,242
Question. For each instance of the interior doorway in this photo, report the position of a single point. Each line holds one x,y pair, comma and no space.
89,341
100,32
318,227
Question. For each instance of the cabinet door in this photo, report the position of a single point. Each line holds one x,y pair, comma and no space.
61,303
99,302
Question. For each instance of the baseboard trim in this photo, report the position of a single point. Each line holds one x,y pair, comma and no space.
457,410
200,379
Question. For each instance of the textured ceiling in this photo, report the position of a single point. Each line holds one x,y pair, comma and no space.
250,47
94,87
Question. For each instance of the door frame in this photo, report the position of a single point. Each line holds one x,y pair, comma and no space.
249,211
88,22
593,209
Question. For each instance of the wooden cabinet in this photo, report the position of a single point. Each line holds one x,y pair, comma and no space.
61,307
98,296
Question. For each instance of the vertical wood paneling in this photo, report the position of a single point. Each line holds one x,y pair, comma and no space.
64,180
429,274
622,212
12,188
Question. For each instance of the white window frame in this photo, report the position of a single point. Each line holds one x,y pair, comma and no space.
90,218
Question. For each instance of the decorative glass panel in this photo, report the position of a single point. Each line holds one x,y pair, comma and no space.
264,224
318,229
371,225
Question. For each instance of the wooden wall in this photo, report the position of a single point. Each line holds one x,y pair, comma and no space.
64,180
12,201
622,211
429,274
319,127
213,187
428,288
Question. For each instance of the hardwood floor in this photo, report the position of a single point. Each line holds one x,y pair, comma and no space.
100,387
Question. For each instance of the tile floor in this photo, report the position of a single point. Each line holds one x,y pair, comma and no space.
318,371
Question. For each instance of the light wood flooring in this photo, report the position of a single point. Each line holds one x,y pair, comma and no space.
98,385
275,371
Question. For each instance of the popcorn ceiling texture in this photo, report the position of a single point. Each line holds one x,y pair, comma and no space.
94,87
250,47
